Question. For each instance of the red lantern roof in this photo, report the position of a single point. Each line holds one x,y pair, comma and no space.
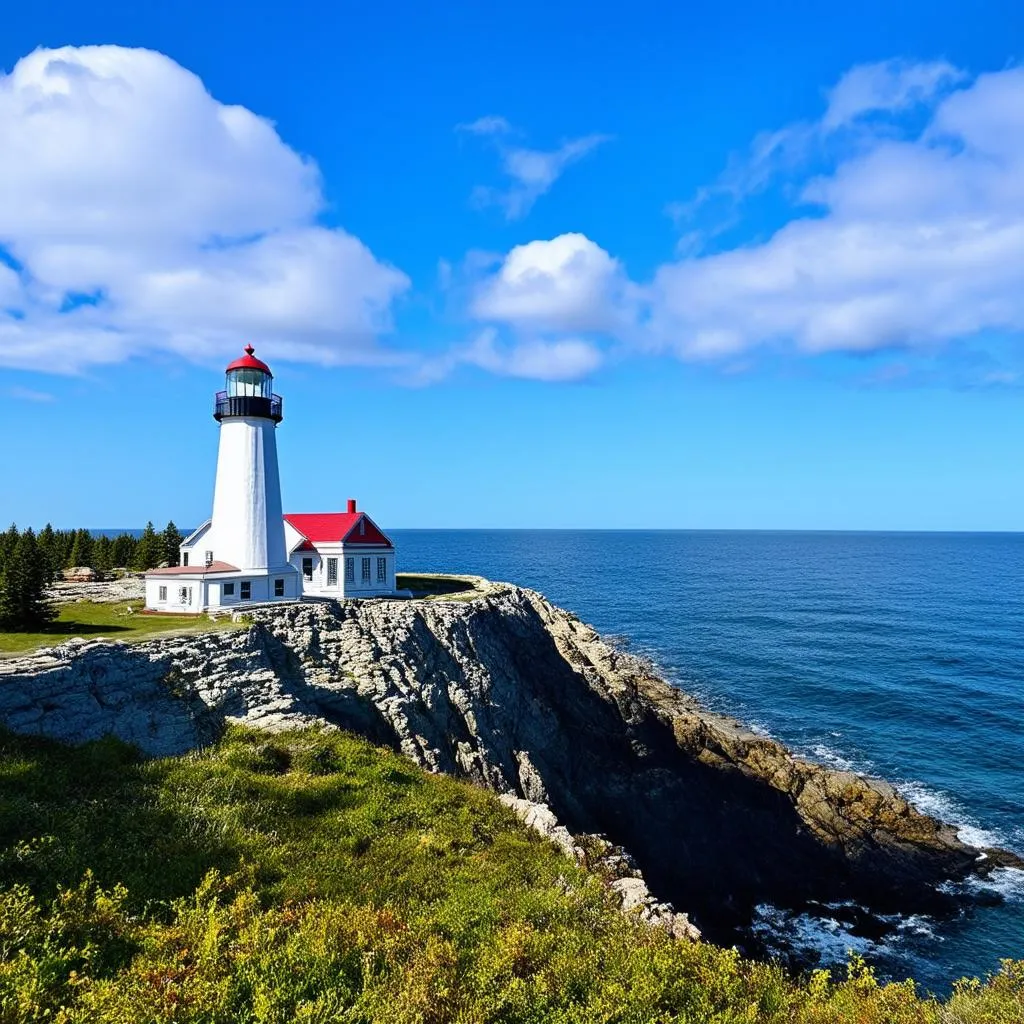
249,362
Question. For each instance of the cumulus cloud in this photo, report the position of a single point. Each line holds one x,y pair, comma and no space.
548,360
854,119
911,236
568,283
532,172
140,213
920,239
535,359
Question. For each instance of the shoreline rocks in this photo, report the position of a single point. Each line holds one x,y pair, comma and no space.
520,696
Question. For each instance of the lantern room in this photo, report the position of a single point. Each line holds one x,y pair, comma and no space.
249,390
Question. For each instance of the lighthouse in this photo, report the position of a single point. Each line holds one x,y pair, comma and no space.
248,552
246,523
238,555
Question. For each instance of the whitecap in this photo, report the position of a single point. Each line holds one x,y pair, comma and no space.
944,807
1005,882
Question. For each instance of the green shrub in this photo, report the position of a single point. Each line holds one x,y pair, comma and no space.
311,877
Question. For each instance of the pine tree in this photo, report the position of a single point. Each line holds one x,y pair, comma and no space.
23,602
65,542
149,550
172,539
103,554
124,551
81,551
8,542
49,546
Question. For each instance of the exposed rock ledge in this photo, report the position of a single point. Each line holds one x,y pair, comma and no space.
522,697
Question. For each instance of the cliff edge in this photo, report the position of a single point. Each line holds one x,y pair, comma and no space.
502,687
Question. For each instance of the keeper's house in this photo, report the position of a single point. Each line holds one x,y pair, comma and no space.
340,554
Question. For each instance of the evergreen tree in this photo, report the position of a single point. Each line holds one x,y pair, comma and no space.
81,550
124,551
172,539
23,602
149,551
103,554
8,542
49,546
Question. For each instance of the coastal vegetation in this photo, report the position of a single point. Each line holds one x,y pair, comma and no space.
310,876
30,563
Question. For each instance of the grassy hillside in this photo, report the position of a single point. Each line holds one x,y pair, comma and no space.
312,877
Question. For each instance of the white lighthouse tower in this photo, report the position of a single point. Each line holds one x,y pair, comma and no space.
239,554
247,520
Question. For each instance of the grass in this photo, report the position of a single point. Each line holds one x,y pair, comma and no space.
312,877
426,585
89,618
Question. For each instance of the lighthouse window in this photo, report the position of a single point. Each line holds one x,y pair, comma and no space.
278,588
246,589
365,575
350,570
209,558
332,572
382,570
249,383
162,594
307,568
184,558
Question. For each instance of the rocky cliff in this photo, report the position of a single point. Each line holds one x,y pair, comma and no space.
504,688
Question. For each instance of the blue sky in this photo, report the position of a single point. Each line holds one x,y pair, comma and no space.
646,265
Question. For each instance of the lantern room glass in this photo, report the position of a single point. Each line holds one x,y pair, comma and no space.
247,382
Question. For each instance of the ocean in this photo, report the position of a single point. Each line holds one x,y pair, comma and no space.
899,655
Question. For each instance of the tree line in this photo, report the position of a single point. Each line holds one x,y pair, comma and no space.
30,562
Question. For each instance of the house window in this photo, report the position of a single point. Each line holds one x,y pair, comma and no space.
246,589
209,557
278,588
161,594
184,558
229,590
307,568
332,572
365,574
362,527
350,570
382,570
184,595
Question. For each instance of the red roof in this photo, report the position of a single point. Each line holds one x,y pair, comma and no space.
193,570
249,362
337,527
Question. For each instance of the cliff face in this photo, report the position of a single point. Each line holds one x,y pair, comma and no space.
521,697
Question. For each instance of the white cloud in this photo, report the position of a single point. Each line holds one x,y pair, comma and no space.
491,124
146,215
917,239
568,283
890,86
921,239
560,360
28,395
532,171
887,90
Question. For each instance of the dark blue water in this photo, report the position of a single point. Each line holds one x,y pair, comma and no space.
901,655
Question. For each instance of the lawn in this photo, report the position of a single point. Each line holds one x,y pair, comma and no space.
91,619
427,585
